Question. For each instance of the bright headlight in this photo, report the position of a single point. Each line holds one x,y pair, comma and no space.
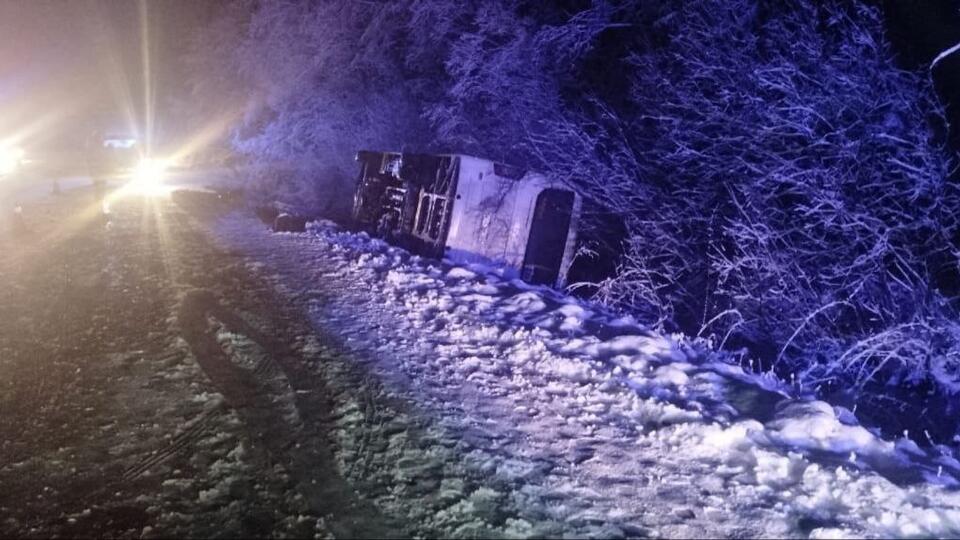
148,175
149,171
10,159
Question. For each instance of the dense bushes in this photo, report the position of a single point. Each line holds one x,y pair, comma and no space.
777,174
799,203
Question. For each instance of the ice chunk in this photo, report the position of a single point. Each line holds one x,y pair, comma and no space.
459,272
813,424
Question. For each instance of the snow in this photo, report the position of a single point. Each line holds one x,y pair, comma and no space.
814,424
549,416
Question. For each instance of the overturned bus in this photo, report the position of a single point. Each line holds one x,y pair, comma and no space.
470,210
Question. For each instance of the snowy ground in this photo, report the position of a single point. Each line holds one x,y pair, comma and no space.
110,424
486,407
181,371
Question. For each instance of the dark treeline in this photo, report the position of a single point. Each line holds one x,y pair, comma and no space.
781,183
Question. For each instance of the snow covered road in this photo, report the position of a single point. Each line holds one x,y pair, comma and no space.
115,420
484,407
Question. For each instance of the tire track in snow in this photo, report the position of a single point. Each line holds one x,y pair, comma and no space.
299,442
198,428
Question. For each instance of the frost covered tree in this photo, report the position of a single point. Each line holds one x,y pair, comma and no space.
321,80
784,192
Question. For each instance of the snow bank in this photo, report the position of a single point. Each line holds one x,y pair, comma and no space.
588,423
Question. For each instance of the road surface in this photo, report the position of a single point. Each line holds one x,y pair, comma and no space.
121,414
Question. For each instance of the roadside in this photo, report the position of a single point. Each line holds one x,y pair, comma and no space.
502,409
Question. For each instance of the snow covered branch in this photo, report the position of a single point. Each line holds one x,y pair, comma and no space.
943,55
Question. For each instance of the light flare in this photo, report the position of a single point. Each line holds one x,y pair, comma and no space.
11,158
148,177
